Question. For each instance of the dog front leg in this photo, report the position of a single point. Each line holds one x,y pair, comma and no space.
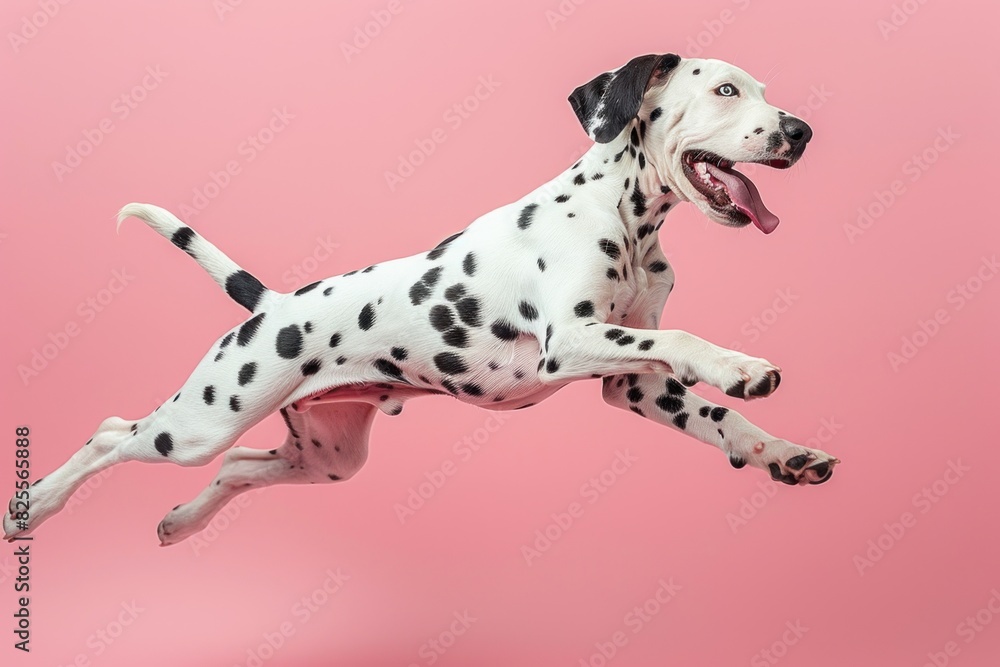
663,399
576,351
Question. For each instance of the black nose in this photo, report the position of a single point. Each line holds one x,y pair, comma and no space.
796,131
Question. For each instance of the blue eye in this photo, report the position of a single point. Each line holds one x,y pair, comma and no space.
727,90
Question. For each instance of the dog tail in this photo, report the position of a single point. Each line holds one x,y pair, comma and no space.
244,288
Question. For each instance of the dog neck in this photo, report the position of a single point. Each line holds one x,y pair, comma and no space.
643,198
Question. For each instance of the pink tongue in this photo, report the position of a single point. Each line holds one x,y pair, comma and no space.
744,194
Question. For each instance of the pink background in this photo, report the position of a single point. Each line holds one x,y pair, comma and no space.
881,100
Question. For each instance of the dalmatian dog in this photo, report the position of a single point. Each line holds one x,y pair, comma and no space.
568,283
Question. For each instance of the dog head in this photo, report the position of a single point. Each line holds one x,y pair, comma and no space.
698,118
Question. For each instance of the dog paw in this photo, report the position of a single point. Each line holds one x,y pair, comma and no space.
181,523
786,462
747,377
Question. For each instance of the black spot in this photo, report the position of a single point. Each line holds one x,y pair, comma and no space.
369,269
737,461
228,338
527,215
163,443
654,114
504,330
609,248
327,291
612,274
548,335
704,410
571,215
311,367
579,179
551,365
697,72
335,340
645,230
431,276
351,273
469,264
450,363
308,326
562,199
335,478
637,410
441,317
449,385
182,239
518,374
528,311
366,318
386,367
244,289
208,394
341,361
398,353
584,309
646,344
455,292
396,410
598,176
681,420
289,342
718,414
541,264
759,130
642,161
669,403
468,311
218,356
675,387
308,288
472,389
419,292
613,334
657,266
638,201
626,340
634,137
456,337
635,395
234,403
247,373
642,129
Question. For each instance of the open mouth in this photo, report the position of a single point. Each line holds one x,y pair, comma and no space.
727,191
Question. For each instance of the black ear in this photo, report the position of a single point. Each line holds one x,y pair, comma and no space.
607,104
